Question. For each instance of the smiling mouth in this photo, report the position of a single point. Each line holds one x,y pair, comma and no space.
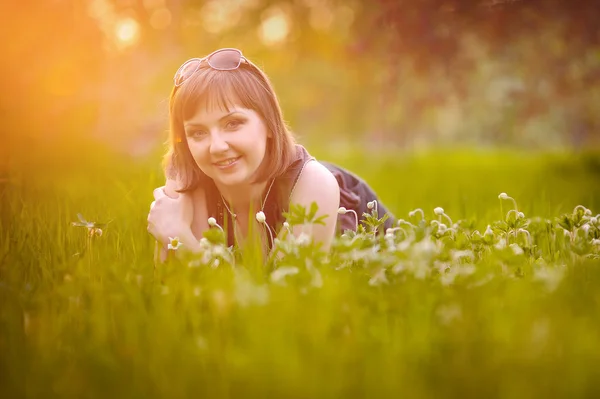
227,162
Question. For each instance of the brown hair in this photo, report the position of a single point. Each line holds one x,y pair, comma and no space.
246,86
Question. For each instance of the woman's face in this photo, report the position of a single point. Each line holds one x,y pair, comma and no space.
228,146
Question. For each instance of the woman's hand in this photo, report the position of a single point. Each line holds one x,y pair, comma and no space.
171,213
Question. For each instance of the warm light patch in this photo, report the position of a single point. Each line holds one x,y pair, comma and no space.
275,26
218,16
152,4
161,18
127,32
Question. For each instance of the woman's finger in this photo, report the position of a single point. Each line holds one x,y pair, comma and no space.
159,192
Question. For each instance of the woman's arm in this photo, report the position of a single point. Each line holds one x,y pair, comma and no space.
317,184
184,215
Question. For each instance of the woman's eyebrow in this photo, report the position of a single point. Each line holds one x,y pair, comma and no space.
196,124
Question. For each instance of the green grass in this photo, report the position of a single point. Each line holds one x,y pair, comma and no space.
104,322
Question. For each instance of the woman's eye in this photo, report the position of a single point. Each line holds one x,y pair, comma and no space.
234,123
197,134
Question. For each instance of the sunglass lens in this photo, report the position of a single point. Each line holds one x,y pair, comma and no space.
225,59
185,71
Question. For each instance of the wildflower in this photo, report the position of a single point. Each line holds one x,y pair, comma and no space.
586,229
378,278
488,231
303,239
520,215
442,228
342,211
213,223
278,275
372,205
174,243
504,196
438,211
414,212
286,226
261,218
517,250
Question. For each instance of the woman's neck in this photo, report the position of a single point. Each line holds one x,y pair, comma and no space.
242,198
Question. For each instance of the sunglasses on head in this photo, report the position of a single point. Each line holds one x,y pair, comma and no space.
225,59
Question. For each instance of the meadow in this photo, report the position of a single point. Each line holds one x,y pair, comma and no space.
497,302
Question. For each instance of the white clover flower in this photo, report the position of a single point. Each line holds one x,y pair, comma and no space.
457,255
212,221
520,215
378,278
594,220
174,243
586,229
438,211
370,204
503,196
342,210
488,231
286,225
442,228
501,244
303,239
260,217
278,275
517,250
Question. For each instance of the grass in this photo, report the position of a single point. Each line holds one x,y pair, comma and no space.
91,319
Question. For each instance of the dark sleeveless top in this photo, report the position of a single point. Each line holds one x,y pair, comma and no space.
354,195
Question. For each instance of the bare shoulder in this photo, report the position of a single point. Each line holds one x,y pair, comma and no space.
316,183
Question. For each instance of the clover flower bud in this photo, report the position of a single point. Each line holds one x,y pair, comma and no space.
286,225
212,221
442,228
260,217
438,211
594,220
520,215
342,210
370,204
503,196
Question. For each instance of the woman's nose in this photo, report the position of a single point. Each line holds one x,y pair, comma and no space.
218,144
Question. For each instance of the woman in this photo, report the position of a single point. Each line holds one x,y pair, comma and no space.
231,155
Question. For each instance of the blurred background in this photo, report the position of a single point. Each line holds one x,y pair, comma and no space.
89,74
